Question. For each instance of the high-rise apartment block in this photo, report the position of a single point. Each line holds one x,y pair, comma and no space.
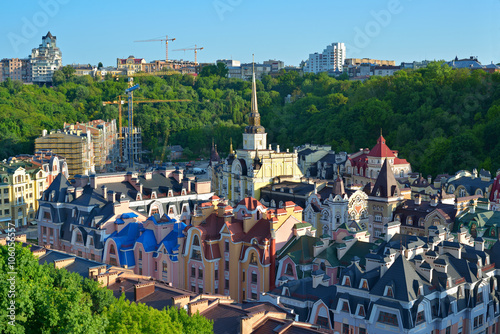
15,69
103,136
74,145
136,144
45,59
330,60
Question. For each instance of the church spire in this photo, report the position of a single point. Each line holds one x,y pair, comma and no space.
231,146
254,117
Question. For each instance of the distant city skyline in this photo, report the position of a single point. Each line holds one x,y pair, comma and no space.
400,30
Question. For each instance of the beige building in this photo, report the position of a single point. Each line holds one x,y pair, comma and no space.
74,145
359,61
245,172
104,141
130,64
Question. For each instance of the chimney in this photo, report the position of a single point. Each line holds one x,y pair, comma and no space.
317,277
111,196
186,184
148,175
479,244
198,306
417,200
44,133
143,290
78,192
434,200
93,181
104,190
429,179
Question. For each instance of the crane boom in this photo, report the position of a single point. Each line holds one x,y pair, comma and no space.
195,52
166,39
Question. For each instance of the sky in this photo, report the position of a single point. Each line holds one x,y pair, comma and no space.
93,31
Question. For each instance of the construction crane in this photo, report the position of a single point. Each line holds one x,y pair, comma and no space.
120,102
195,52
166,39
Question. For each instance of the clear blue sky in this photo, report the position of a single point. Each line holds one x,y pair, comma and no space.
91,31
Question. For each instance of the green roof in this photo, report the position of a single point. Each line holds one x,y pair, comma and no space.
301,225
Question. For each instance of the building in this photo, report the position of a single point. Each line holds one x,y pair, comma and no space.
74,145
310,154
359,61
465,183
84,69
15,69
256,165
330,60
384,71
103,205
277,194
21,184
415,65
229,62
384,198
130,64
249,69
334,205
137,151
232,251
364,166
276,65
104,140
45,59
495,193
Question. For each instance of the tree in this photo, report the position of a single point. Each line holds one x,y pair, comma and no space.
100,65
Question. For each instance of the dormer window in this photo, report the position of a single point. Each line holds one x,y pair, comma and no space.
196,241
345,306
361,311
420,317
388,292
347,281
253,259
364,284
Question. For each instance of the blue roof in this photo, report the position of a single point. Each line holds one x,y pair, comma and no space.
125,240
148,241
128,215
119,221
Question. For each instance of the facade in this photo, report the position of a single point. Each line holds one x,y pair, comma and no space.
276,65
231,251
364,166
45,59
256,165
137,151
130,64
465,183
74,145
331,59
384,71
310,154
102,204
384,198
333,205
359,61
104,140
15,69
277,194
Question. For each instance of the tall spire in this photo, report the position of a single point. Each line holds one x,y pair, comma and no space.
254,117
231,146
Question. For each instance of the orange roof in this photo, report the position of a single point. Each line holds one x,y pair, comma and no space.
251,203
381,150
289,204
298,209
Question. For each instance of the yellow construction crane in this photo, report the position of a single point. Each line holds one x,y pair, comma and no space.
166,39
120,102
195,52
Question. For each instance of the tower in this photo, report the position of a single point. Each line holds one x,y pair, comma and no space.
255,136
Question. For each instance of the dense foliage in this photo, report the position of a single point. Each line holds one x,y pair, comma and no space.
50,300
440,119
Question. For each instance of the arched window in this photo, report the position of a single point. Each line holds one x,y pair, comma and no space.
165,267
196,241
479,192
401,173
322,266
112,249
253,259
289,269
462,192
140,254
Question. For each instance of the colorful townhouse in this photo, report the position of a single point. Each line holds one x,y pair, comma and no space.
231,251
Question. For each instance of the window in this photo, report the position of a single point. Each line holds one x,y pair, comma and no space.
140,271
322,322
7,211
448,330
345,306
347,281
420,317
196,254
226,265
6,191
345,328
216,274
79,238
226,284
253,259
165,267
244,295
378,217
478,321
254,278
243,276
156,266
254,295
51,232
387,318
112,250
193,272
200,273
193,288
46,215
479,297
154,211
364,285
226,246
140,255
79,253
92,257
388,291
200,289
6,201
289,270
44,230
216,291
196,241
362,331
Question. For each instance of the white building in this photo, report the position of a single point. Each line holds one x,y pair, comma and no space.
45,59
332,59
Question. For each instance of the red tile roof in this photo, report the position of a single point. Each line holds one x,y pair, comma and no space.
381,150
289,204
251,203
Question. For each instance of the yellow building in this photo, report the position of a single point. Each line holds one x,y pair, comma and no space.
21,184
245,172
74,145
231,251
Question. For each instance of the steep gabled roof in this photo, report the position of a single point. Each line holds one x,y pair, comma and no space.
401,275
381,150
386,184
